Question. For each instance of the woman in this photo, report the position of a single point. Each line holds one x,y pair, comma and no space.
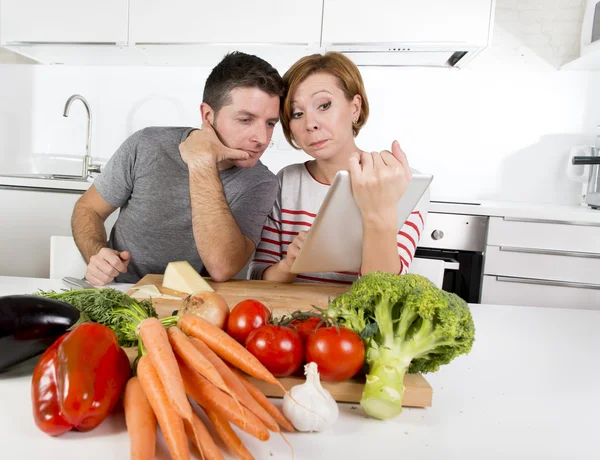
323,111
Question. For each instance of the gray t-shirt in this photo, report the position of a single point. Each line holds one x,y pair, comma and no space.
147,179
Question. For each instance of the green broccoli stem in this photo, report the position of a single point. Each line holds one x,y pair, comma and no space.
384,388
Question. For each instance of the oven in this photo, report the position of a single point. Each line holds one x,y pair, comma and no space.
458,240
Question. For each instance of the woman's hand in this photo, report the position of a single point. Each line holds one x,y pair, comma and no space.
378,182
293,249
280,272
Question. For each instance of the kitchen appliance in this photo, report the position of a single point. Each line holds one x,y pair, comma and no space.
459,240
583,167
436,33
592,195
590,29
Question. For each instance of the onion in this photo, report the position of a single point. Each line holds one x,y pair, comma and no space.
208,305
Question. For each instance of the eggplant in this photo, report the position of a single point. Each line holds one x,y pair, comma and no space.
29,324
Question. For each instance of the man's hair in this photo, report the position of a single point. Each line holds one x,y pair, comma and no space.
240,70
333,63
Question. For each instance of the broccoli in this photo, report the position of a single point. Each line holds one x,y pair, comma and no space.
407,324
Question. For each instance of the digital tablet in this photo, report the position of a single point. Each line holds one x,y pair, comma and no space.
334,242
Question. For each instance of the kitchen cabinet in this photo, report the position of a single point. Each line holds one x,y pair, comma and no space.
383,21
30,217
542,263
63,21
225,21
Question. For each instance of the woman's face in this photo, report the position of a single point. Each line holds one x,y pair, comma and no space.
321,120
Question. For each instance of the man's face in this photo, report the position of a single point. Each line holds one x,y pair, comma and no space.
247,123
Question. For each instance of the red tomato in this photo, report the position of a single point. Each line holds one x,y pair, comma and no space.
278,348
306,327
245,317
339,354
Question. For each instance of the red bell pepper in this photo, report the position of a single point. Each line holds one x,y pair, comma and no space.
78,380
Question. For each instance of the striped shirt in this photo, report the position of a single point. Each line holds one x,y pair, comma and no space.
295,210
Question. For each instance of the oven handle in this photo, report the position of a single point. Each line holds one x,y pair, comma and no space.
451,265
570,284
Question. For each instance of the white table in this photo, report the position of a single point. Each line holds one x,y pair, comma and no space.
530,388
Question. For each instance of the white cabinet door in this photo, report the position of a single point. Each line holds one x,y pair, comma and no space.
553,236
63,21
503,290
393,21
226,21
29,218
543,265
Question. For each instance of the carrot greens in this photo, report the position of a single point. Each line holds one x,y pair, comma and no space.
111,308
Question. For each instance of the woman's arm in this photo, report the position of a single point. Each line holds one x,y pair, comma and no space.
378,182
380,247
268,251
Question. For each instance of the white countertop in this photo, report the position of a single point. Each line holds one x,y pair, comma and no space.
37,183
528,389
517,210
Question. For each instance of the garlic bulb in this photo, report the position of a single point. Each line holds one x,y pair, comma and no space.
312,407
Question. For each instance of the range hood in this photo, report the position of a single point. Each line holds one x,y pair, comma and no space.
435,33
409,56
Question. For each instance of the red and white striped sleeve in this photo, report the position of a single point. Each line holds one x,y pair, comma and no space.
410,233
269,250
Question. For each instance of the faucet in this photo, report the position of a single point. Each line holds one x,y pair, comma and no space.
88,167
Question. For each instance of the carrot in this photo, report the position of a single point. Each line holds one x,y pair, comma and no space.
228,436
200,436
226,347
264,401
211,398
156,341
169,420
195,359
140,421
233,382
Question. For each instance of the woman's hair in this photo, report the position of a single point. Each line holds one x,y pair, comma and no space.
335,64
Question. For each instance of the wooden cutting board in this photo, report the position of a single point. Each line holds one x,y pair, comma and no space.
280,297
418,392
284,298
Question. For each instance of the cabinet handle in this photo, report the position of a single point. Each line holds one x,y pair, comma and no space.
549,221
551,252
507,279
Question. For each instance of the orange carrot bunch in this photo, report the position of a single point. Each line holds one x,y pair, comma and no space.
198,361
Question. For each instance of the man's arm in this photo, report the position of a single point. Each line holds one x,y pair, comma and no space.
87,222
223,248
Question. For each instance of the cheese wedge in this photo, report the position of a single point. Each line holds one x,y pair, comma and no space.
181,276
150,291
147,290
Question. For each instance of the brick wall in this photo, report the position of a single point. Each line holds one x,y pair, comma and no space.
549,28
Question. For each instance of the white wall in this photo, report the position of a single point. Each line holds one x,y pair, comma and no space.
499,130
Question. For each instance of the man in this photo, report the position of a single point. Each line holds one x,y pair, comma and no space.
187,194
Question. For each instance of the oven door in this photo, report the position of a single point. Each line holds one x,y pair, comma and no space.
459,240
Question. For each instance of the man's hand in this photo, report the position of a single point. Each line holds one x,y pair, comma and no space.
379,179
292,251
204,144
106,265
